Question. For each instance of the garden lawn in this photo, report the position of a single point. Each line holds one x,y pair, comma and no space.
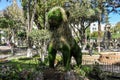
22,63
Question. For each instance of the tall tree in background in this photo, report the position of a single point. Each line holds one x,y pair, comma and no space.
29,7
118,26
14,16
99,5
14,13
43,6
11,20
112,6
82,15
105,7
35,11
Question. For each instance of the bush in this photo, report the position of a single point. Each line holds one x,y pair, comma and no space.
95,34
9,73
83,71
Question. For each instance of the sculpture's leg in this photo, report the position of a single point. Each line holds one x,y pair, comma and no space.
66,56
51,55
77,54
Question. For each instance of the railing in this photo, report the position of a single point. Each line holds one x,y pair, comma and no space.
103,66
111,64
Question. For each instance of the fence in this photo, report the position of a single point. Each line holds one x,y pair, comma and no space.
111,65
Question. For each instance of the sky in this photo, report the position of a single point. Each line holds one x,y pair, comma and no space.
4,4
114,18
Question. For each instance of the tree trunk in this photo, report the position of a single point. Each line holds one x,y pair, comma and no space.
99,32
29,52
30,24
43,51
82,35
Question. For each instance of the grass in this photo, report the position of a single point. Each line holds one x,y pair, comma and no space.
20,69
29,68
27,63
117,35
23,63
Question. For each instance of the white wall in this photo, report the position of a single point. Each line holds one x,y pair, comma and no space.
94,27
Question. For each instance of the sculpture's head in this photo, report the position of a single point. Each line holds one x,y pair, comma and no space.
56,16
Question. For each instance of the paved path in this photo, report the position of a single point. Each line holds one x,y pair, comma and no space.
18,53
4,48
5,55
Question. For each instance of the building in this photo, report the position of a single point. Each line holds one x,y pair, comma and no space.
94,27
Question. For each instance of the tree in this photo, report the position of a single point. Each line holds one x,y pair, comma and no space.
118,26
39,37
11,20
82,15
36,10
99,5
15,14
29,7
116,29
5,25
112,6
43,6
105,8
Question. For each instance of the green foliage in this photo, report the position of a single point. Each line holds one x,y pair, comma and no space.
84,70
76,39
9,73
11,20
83,11
58,58
13,12
42,7
95,34
117,27
116,35
20,69
21,34
38,35
3,23
88,46
87,69
6,23
79,71
55,15
83,14
118,24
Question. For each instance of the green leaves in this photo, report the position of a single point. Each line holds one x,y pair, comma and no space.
21,33
55,15
14,12
6,23
42,7
38,35
12,16
83,11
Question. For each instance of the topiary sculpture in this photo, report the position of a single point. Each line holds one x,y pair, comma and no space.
62,39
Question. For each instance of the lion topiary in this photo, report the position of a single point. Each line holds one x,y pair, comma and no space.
61,39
